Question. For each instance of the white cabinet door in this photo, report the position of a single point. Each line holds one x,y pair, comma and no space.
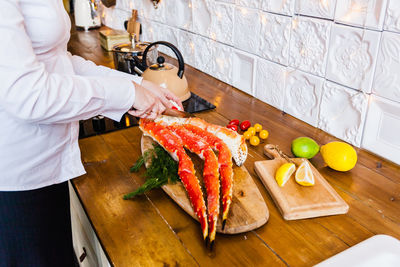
382,128
85,242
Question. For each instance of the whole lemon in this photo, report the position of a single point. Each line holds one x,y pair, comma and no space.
339,156
304,147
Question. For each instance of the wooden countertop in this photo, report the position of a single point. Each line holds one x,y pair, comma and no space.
153,231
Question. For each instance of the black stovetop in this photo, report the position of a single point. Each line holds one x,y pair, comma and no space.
100,124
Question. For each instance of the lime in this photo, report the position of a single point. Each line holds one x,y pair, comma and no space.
339,156
304,147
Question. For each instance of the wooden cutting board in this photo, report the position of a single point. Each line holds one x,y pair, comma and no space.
248,209
293,200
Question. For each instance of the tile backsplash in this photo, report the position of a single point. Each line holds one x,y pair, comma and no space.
334,64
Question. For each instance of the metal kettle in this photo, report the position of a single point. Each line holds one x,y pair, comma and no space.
167,75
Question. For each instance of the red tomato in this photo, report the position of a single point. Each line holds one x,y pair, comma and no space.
232,127
173,107
234,122
245,125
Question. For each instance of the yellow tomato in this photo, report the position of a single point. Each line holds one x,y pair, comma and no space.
247,135
258,127
264,134
252,131
254,141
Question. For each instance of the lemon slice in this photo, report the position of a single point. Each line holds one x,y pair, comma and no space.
284,172
304,175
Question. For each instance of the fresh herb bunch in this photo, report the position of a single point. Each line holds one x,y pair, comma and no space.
163,169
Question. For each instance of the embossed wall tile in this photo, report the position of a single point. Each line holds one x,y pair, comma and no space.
248,3
246,29
203,48
392,20
202,16
309,42
387,73
303,95
316,8
124,4
222,62
352,57
342,112
148,33
186,45
285,7
168,34
114,17
149,12
243,71
222,23
364,13
382,128
179,13
270,83
274,37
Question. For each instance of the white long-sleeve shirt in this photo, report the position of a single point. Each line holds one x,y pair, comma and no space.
44,92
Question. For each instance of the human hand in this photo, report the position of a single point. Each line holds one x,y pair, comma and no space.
163,93
151,100
147,105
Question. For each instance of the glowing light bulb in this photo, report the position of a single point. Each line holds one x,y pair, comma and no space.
295,22
263,20
213,36
220,62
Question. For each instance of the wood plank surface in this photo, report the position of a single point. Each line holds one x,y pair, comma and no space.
153,230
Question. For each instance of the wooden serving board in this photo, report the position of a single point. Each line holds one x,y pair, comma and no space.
293,200
248,209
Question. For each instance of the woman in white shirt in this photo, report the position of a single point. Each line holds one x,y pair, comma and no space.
44,92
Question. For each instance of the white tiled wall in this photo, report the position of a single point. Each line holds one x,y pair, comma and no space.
334,64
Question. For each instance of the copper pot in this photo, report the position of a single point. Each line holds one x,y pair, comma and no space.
167,75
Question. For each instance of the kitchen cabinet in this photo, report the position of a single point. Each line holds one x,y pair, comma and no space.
86,244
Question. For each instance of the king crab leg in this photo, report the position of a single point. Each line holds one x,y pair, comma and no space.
225,167
174,145
197,145
234,141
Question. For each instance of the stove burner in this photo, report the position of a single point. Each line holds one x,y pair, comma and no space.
100,124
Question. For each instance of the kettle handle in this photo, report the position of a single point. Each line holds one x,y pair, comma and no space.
178,54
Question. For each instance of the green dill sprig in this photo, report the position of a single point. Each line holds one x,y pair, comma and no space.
163,169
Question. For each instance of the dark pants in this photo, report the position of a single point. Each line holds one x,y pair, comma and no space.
35,228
